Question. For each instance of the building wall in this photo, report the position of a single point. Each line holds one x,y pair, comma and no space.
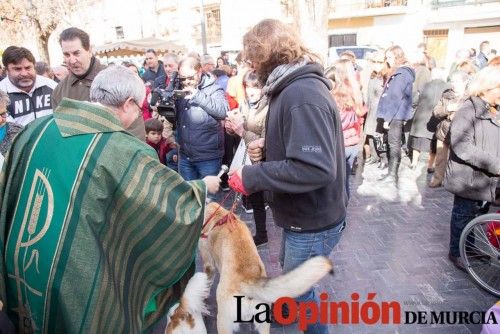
405,25
238,16
179,21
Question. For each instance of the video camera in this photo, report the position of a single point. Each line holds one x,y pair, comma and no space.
164,98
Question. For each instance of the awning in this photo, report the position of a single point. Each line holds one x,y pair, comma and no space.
137,47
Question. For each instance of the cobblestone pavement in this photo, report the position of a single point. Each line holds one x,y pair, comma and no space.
397,250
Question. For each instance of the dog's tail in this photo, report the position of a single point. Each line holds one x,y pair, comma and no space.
197,290
291,284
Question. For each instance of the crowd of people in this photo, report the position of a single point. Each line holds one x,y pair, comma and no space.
93,152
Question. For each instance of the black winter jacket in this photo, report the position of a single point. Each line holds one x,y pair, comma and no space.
199,122
305,159
474,164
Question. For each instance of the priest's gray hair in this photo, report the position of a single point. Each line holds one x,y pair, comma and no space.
114,85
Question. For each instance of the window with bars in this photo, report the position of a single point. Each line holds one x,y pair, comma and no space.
119,32
436,33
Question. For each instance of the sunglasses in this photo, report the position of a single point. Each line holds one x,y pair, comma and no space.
182,79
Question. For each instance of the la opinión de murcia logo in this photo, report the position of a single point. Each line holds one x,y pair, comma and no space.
368,312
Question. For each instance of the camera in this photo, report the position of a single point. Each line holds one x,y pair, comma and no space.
164,98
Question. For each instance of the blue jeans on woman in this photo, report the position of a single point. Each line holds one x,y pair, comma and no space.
464,210
297,247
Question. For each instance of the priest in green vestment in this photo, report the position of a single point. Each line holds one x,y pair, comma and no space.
97,236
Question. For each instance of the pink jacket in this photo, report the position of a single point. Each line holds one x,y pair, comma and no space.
351,127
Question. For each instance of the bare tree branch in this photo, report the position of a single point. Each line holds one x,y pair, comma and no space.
40,17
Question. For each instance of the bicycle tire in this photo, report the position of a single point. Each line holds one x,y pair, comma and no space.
485,253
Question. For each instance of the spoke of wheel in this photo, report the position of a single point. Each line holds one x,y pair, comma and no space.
471,247
481,231
477,238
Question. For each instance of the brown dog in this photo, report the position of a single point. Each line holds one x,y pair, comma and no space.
229,247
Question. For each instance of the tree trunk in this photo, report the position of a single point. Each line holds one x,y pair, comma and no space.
43,48
311,18
42,39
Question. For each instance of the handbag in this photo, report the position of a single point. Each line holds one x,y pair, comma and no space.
380,141
241,157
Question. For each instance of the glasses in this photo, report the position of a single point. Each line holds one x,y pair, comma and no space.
182,79
4,114
137,105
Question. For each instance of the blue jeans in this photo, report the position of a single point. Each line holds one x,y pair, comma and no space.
296,248
351,152
199,169
169,159
464,210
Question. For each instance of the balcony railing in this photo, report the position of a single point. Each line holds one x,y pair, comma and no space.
344,6
450,3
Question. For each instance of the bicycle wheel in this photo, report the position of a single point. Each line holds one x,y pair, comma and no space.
480,250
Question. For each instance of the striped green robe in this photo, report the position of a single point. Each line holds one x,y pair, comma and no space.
97,236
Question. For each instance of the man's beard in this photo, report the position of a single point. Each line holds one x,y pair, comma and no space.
18,84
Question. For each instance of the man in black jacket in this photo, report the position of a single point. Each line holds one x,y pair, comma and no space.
304,165
199,122
155,67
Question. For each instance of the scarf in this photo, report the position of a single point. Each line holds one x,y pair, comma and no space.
280,73
3,132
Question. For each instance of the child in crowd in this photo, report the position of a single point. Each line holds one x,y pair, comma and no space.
154,129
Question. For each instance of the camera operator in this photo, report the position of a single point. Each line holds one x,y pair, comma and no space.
160,85
170,65
199,121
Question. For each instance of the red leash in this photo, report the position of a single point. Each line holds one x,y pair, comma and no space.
222,221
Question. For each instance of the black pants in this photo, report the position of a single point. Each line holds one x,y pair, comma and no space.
394,139
259,213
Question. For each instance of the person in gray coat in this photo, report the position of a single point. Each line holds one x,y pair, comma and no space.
473,168
374,91
424,124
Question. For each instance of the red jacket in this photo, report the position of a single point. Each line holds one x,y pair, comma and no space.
162,148
146,113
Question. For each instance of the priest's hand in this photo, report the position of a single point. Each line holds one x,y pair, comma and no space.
212,183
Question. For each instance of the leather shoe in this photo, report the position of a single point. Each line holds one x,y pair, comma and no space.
457,261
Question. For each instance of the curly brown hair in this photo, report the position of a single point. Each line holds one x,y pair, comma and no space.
271,43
